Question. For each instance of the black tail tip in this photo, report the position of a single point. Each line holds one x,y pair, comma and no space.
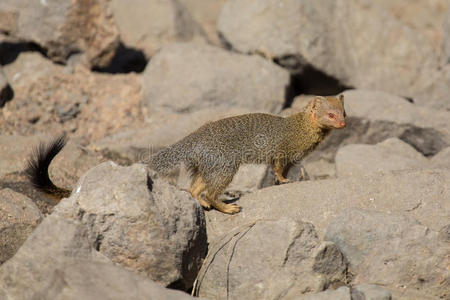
40,159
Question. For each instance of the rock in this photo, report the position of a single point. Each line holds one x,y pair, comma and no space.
18,217
248,178
342,293
151,25
392,250
434,91
422,194
370,292
337,38
14,152
6,93
187,77
391,154
269,259
205,13
63,28
85,104
58,262
53,244
380,106
446,38
93,280
141,223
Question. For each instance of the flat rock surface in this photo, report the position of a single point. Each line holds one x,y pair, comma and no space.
423,194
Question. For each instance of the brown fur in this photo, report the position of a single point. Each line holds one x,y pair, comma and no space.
215,151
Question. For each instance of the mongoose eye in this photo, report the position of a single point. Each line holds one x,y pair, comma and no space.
331,115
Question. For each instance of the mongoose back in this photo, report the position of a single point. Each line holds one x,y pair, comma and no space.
214,152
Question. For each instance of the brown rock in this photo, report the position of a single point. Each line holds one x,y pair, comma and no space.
63,28
18,217
151,25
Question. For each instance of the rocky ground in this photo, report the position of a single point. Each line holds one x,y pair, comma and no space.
367,215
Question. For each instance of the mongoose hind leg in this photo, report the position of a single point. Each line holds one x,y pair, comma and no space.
197,187
278,168
216,182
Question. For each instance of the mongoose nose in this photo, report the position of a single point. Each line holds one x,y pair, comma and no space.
342,124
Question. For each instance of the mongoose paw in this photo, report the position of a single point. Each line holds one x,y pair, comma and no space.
282,181
231,209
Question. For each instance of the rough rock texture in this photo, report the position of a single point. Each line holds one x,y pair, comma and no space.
442,159
93,280
58,262
141,223
423,194
339,38
269,259
391,154
392,250
150,25
52,98
342,293
18,217
186,77
370,292
55,243
63,28
446,38
205,13
380,106
14,151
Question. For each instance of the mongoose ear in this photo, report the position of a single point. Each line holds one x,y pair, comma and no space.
341,98
317,101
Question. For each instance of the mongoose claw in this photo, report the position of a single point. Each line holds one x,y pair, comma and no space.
231,209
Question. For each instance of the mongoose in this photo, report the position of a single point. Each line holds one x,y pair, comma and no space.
214,152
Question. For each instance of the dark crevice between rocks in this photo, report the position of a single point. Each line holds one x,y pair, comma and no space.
125,60
10,51
305,79
7,94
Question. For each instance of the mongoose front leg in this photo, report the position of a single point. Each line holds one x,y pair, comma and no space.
278,169
196,190
231,208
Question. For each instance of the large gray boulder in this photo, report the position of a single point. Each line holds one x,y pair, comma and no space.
422,194
150,25
54,243
392,250
58,262
63,28
140,222
18,217
361,43
187,77
269,259
391,154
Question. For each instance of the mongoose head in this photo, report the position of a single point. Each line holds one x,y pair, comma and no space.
328,112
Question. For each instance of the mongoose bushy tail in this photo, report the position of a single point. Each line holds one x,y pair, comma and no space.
38,163
214,152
